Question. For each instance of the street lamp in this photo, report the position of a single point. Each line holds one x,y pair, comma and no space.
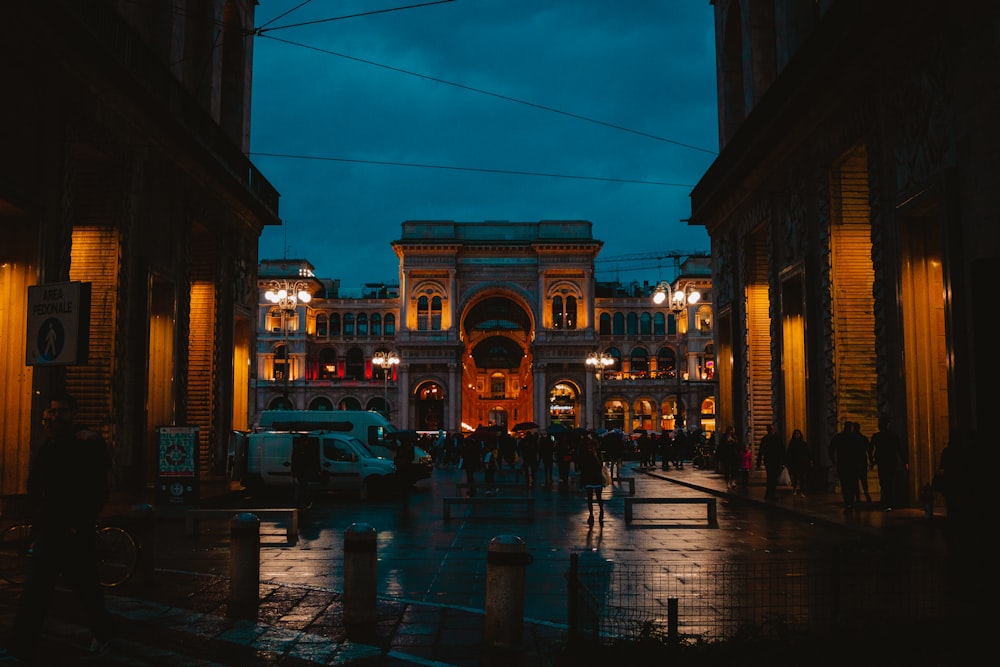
684,295
287,295
385,361
599,361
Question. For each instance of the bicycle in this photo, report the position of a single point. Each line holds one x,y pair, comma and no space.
117,553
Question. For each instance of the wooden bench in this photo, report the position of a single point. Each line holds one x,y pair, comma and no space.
482,486
626,480
709,501
526,502
290,515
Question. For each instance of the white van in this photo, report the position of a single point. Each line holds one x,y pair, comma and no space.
371,428
328,461
367,426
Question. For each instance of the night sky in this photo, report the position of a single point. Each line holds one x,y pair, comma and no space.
366,114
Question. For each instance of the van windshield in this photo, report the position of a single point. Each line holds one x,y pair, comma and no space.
362,446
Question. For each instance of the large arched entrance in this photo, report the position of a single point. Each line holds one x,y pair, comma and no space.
496,368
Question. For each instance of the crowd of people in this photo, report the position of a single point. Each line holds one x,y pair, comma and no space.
555,458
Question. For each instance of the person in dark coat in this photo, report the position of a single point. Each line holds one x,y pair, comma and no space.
591,468
772,453
67,486
471,453
890,458
845,458
799,461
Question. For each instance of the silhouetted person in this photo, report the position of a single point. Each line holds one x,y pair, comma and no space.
889,455
845,459
772,453
67,486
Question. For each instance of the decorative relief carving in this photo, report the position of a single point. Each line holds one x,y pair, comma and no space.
919,113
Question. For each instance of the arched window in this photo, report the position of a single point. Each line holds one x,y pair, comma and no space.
423,313
362,325
348,324
322,325
617,355
645,324
632,324
376,325
671,324
349,403
659,324
666,361
321,403
327,363
334,324
605,324
436,313
563,312
618,325
639,361
703,319
390,324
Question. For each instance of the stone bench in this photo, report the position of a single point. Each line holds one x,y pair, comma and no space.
526,502
290,515
708,501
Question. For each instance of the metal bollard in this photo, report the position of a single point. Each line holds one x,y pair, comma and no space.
145,519
506,564
359,574
244,564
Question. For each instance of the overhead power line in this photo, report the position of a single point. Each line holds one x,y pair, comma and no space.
492,94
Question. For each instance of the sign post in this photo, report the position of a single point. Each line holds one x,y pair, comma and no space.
58,324
177,479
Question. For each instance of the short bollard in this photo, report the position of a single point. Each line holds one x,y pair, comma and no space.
145,520
359,574
244,564
506,565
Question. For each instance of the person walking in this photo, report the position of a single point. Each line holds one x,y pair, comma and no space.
727,455
471,454
403,459
862,449
772,453
591,469
799,461
746,465
546,455
529,457
889,457
844,458
67,487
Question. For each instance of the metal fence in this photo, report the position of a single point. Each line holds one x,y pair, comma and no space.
774,598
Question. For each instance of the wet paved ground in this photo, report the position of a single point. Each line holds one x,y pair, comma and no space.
431,572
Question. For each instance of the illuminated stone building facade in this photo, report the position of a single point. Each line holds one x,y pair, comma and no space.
854,217
124,129
493,323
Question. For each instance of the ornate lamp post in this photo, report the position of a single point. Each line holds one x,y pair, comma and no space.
385,361
599,361
684,295
287,295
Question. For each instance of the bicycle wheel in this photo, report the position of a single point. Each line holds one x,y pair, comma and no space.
15,552
698,462
117,554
